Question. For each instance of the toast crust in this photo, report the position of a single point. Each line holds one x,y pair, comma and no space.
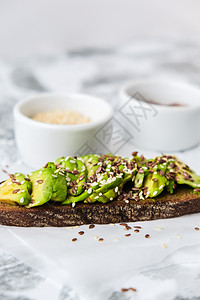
182,202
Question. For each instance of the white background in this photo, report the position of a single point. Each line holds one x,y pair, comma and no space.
49,26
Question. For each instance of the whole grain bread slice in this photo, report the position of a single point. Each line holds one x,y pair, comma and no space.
182,202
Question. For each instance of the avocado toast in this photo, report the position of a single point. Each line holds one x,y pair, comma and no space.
100,189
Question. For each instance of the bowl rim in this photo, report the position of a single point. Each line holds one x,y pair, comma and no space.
181,84
71,127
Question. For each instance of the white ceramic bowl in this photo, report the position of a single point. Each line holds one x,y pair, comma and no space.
40,142
161,127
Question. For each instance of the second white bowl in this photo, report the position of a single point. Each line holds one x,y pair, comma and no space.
161,126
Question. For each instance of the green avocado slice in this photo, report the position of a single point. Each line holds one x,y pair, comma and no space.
155,184
75,172
185,175
47,185
16,189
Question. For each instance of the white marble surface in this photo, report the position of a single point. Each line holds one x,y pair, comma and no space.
39,263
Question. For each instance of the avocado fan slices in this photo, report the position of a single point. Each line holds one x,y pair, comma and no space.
94,178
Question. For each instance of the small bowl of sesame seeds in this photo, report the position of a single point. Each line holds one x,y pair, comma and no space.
48,126
162,115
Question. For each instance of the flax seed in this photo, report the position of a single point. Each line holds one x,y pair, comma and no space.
81,232
91,226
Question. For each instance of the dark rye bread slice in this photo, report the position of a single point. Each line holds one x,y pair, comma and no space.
183,202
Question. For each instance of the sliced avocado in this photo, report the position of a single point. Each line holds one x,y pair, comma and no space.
75,172
16,189
139,178
170,186
47,185
103,184
184,175
155,184
103,198
91,163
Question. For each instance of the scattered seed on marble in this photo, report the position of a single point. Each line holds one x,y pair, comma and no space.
128,234
115,240
178,236
81,232
132,289
74,239
147,236
164,245
124,290
91,226
127,227
196,228
158,228
138,227
136,230
101,240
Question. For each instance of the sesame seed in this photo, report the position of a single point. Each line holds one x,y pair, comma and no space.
21,200
89,191
101,240
40,172
22,182
161,187
155,193
9,183
73,204
115,240
158,228
179,237
111,198
72,161
97,197
74,239
100,194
